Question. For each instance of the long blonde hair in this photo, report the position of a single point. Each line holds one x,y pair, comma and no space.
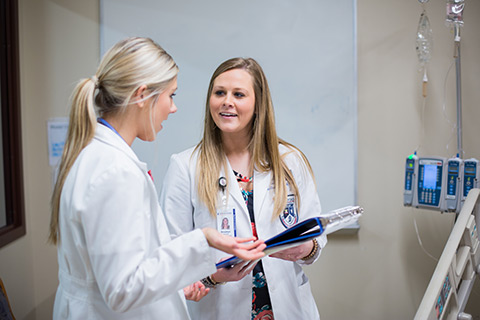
129,64
263,144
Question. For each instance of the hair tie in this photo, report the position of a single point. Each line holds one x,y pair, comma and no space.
94,80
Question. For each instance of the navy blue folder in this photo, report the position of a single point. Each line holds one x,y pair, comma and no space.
304,231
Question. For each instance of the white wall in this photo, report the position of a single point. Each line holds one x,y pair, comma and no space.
379,273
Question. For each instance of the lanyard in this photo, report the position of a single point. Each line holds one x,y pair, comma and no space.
108,125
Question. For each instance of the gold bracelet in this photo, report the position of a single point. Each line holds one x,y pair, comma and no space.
313,252
213,281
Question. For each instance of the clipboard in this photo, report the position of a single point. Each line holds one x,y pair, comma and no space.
304,231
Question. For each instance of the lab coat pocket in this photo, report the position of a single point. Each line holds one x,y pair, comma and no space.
64,312
69,305
308,305
302,279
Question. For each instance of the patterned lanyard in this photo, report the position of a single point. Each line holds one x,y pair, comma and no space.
241,178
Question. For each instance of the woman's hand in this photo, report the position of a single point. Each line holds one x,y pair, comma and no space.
295,253
195,291
243,248
235,273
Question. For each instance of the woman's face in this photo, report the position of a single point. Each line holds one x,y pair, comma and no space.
164,105
232,102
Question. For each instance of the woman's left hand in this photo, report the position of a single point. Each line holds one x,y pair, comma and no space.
295,253
244,248
196,291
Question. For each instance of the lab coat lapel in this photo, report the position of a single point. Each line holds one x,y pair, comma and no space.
262,186
234,192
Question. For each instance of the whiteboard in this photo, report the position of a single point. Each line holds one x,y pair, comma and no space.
307,49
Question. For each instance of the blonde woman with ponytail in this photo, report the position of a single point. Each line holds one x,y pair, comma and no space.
243,172
115,255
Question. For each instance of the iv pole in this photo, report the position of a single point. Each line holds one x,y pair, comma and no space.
456,55
455,18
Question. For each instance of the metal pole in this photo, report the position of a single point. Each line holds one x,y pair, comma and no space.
459,95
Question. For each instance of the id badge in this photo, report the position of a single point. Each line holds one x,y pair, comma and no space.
226,222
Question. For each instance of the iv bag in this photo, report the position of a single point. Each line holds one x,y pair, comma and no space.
424,43
455,12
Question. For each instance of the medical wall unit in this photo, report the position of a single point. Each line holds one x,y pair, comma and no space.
449,289
438,183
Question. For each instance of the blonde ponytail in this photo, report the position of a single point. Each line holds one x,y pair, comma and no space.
80,132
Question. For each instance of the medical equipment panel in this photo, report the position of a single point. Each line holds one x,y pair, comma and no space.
411,168
453,184
470,176
430,183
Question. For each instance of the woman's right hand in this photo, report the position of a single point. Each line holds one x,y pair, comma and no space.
195,291
235,273
244,248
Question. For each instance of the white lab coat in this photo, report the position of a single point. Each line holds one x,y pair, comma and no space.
288,286
116,258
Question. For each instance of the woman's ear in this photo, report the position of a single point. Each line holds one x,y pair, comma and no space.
139,95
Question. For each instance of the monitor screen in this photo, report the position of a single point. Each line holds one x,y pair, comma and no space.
470,169
430,176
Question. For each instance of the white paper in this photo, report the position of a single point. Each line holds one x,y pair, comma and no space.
57,134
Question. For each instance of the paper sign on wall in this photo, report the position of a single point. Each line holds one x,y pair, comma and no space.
57,133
